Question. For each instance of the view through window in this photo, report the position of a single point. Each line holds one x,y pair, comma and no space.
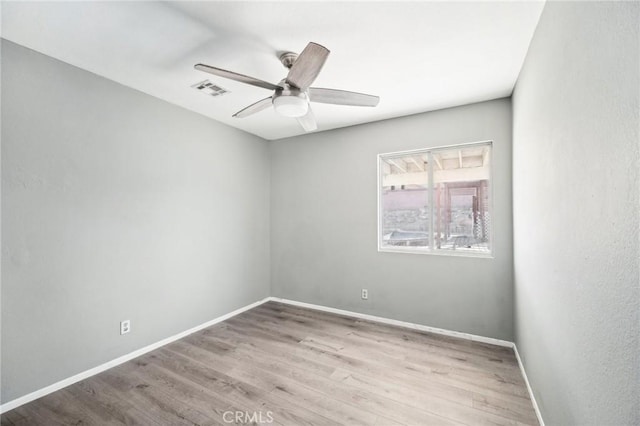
436,200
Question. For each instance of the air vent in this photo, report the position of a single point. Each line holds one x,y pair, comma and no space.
208,88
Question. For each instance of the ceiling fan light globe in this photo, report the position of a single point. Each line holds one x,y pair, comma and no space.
291,106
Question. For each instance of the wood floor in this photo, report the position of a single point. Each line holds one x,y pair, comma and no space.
281,364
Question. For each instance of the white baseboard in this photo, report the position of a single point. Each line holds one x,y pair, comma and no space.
398,323
124,358
526,380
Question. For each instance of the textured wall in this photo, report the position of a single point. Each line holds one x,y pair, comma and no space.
324,225
116,205
575,163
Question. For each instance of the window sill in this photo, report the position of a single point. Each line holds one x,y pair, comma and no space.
451,253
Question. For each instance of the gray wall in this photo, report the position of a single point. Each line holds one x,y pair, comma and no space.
116,205
324,225
575,188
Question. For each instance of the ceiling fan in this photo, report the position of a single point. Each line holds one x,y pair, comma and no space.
292,95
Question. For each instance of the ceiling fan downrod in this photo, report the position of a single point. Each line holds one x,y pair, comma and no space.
288,58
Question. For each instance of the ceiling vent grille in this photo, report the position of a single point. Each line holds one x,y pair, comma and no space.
208,88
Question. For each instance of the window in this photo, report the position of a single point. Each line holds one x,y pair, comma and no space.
436,200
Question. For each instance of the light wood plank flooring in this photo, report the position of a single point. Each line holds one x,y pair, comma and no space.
297,366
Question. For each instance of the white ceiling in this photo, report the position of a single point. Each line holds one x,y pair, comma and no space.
417,56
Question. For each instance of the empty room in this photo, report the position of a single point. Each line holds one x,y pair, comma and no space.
320,213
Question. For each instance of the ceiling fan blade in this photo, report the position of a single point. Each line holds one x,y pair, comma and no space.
341,97
237,77
253,108
308,65
308,121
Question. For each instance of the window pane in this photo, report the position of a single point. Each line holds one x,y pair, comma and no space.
461,198
404,201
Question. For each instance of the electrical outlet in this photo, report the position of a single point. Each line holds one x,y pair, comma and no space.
125,326
365,294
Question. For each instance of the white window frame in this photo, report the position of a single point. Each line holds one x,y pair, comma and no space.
430,250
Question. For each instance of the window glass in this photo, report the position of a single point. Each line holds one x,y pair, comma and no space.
461,199
405,201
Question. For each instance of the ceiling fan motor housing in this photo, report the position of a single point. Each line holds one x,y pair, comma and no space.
290,101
